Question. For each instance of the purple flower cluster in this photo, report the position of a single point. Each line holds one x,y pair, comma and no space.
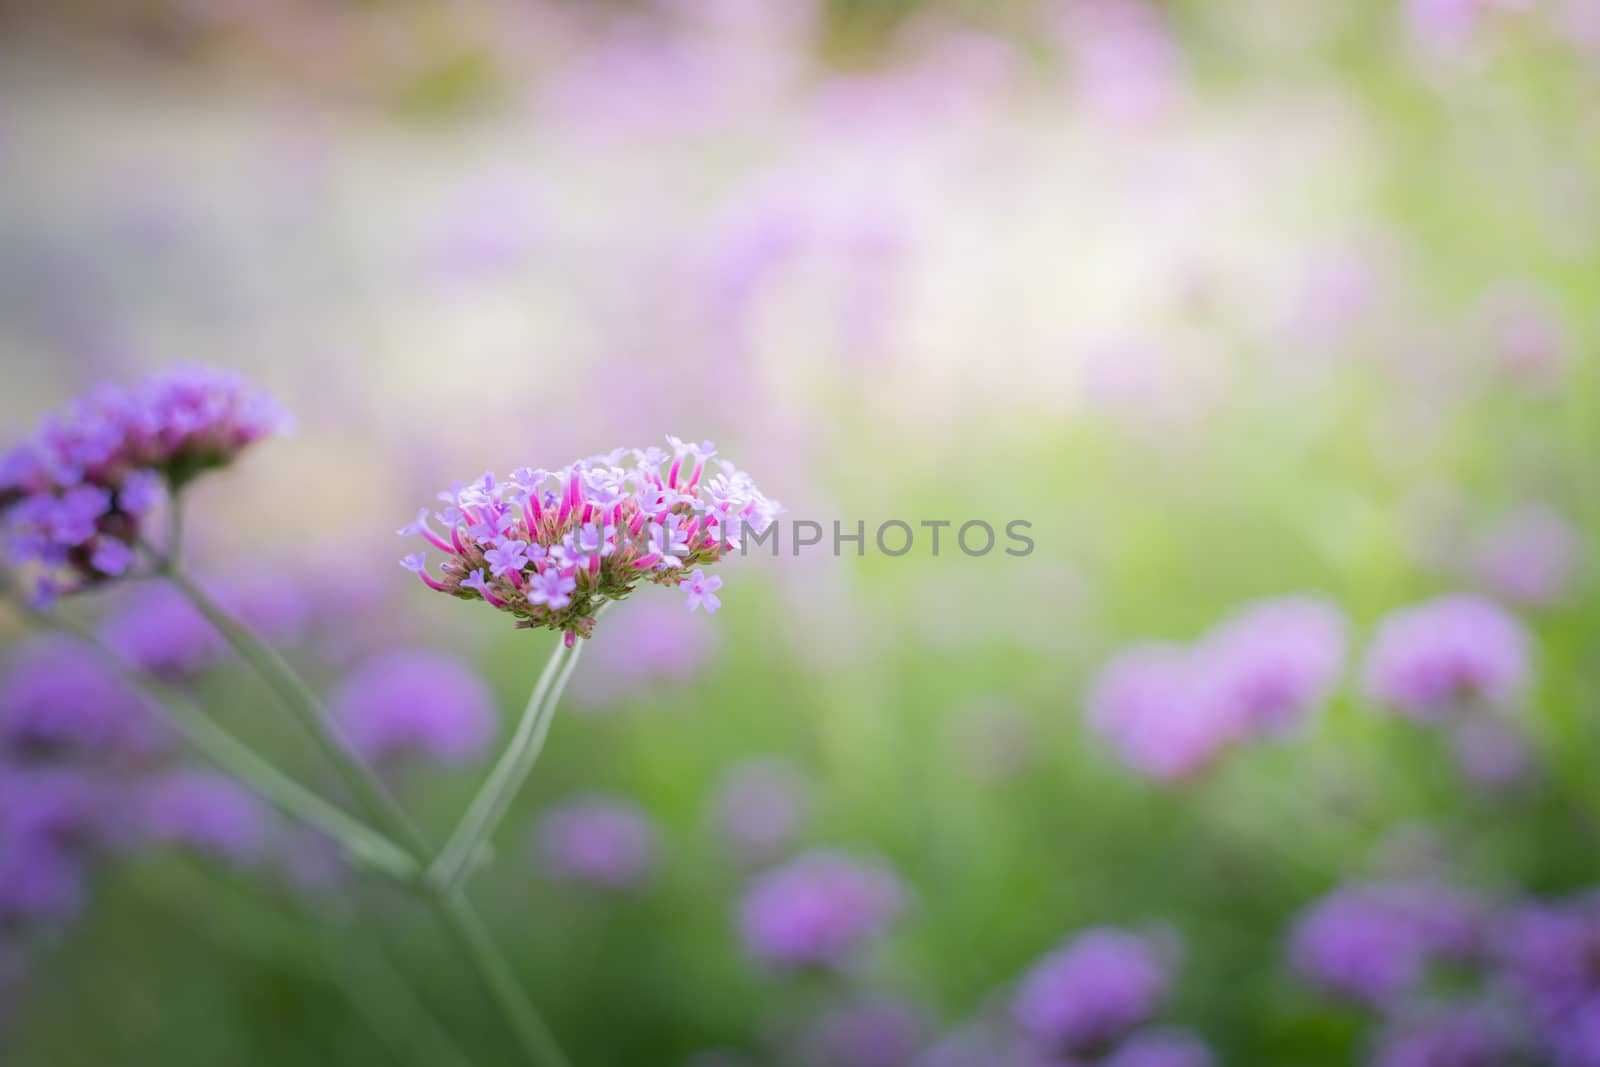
72,499
53,821
1452,1035
818,910
1170,710
1091,993
1374,942
1548,953
599,842
550,546
1435,660
413,703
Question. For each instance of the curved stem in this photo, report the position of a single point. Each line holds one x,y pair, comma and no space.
537,1043
478,946
233,755
494,798
379,804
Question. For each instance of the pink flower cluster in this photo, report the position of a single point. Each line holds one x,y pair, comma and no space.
550,547
73,497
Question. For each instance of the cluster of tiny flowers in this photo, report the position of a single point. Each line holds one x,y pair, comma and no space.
1170,710
72,499
550,547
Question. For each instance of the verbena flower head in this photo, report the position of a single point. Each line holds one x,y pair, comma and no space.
59,698
818,910
72,499
550,547
597,841
1092,992
412,703
52,822
208,812
1162,1048
761,806
1273,663
1533,555
1373,942
876,1032
1431,660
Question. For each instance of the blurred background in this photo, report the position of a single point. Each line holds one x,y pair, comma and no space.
1276,321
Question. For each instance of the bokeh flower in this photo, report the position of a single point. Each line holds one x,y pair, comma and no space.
1532,555
1162,1048
73,498
1431,660
208,812
874,1032
599,842
653,643
1272,663
818,910
414,703
158,629
60,699
1091,992
1146,703
550,547
1446,1036
761,806
1373,942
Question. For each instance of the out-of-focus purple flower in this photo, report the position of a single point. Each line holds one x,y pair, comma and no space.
1448,27
72,498
1148,704
1456,1036
1430,660
158,629
877,1032
1125,61
592,532
1162,1048
52,821
761,806
38,884
1091,992
653,641
597,841
59,697
818,910
1273,663
1527,336
1373,942
1491,753
414,703
208,812
1532,556
1547,954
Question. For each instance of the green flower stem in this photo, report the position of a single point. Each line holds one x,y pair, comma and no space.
457,913
369,792
239,759
494,798
476,943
